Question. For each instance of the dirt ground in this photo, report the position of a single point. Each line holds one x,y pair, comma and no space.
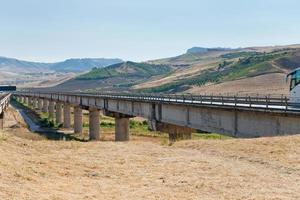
32,167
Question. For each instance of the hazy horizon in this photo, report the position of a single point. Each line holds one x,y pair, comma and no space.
52,31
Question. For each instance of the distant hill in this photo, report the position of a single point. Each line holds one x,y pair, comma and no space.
204,50
81,65
116,77
228,67
11,65
19,66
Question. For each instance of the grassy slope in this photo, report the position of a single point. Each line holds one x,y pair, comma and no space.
248,64
126,69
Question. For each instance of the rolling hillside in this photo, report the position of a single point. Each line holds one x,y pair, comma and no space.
199,70
118,77
81,65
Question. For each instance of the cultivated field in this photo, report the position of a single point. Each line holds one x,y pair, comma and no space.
32,167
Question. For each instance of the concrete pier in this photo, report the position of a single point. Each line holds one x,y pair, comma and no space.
94,124
67,116
77,119
58,118
121,129
30,102
175,132
35,103
26,100
40,104
45,105
51,110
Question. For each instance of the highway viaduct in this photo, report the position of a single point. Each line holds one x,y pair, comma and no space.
179,116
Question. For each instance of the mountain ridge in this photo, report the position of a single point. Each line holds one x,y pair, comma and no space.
69,65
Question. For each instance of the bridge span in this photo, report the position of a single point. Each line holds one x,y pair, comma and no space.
177,115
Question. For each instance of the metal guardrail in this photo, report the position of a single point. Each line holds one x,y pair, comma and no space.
4,100
255,102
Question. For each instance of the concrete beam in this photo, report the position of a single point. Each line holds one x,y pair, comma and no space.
45,105
67,116
51,110
122,129
58,118
77,119
94,124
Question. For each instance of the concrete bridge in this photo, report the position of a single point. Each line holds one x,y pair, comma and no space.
179,116
4,102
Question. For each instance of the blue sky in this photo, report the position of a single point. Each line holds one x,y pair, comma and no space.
53,30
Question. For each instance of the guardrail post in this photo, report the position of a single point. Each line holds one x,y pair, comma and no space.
250,103
235,101
286,103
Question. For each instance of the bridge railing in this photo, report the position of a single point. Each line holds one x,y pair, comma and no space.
265,102
4,100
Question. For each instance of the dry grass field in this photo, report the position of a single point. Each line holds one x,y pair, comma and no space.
32,167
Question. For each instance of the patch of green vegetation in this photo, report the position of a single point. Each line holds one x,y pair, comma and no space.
98,74
45,122
128,69
240,54
209,136
104,124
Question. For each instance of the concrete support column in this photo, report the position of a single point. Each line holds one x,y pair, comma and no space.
67,116
30,100
45,105
77,119
2,120
94,124
175,132
59,107
35,103
121,129
40,104
51,110
26,100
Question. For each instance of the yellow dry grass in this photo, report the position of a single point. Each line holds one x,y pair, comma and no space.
267,168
